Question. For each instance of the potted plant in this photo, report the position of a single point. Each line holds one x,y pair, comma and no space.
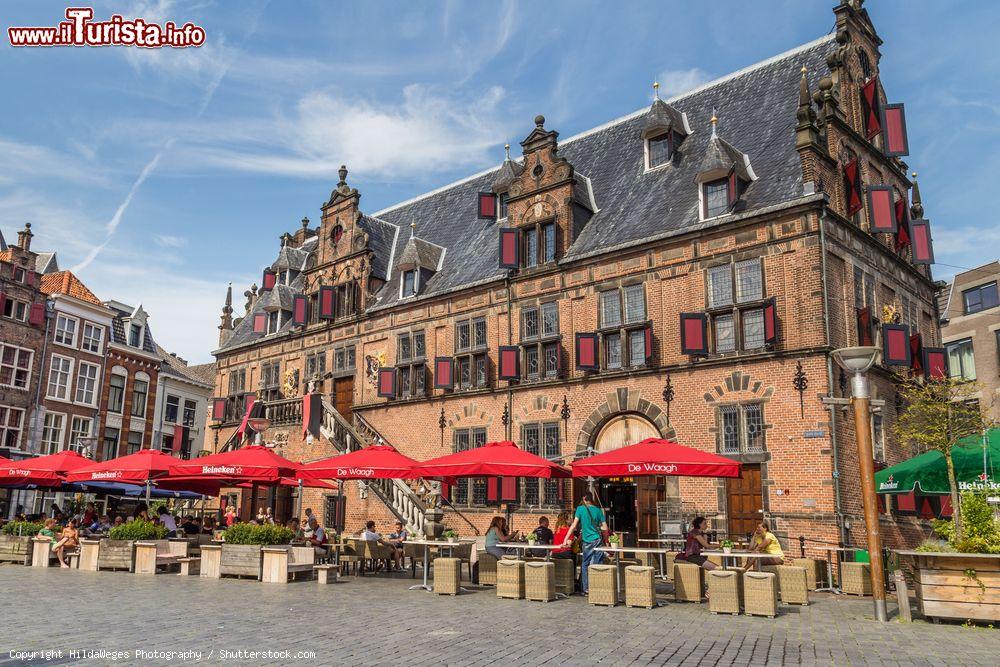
531,537
450,535
15,541
615,540
117,550
727,546
241,547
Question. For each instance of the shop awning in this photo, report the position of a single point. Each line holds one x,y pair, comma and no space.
975,469
655,456
253,463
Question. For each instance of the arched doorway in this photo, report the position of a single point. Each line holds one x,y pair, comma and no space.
630,502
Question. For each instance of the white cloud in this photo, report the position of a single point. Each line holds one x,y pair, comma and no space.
23,161
167,241
677,81
967,246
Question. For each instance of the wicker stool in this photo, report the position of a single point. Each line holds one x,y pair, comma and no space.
540,581
815,571
760,594
647,559
725,588
640,591
792,582
687,582
603,582
668,566
447,576
487,569
510,579
856,578
565,575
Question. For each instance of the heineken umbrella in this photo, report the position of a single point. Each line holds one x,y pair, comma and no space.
976,459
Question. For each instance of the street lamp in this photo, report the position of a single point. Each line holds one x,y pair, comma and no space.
857,361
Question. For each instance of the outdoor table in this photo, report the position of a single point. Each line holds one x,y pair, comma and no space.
427,544
617,553
830,551
525,547
733,555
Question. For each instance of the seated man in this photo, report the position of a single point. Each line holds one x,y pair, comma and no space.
396,540
293,525
69,540
190,526
542,532
317,536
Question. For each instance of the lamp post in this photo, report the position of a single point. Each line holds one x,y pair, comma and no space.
857,361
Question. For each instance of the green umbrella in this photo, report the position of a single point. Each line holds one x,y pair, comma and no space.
975,464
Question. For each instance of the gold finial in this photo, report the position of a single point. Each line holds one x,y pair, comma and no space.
506,150
656,89
804,70
914,174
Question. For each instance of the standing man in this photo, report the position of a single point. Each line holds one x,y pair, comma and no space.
592,523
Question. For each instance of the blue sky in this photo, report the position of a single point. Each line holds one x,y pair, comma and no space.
160,175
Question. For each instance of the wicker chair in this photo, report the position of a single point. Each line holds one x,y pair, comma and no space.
760,594
603,582
447,576
463,552
540,581
668,566
687,582
415,553
856,578
487,564
725,591
793,585
647,559
640,591
815,571
376,553
351,553
565,575
510,579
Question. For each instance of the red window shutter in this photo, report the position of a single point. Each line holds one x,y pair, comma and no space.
269,279
492,490
895,345
894,124
446,492
444,377
3,302
510,362
487,206
916,353
509,488
770,322
852,185
694,334
920,236
181,435
647,335
218,409
864,317
510,243
902,224
935,363
387,382
29,278
906,502
327,309
732,189
881,213
586,352
36,314
249,399
945,512
300,310
260,322
870,108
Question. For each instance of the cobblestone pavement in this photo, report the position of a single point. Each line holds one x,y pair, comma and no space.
376,620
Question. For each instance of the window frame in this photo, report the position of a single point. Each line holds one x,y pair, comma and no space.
15,370
738,306
471,434
541,255
76,433
270,380
68,388
743,411
980,290
47,444
411,370
175,406
135,395
472,357
952,367
113,390
94,389
706,212
6,429
666,136
415,288
18,310
191,405
538,344
622,330
56,331
99,348
537,488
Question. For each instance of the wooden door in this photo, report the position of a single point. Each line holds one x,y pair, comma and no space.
744,501
343,397
649,491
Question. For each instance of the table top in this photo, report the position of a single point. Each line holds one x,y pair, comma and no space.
635,550
525,545
741,554
438,543
832,549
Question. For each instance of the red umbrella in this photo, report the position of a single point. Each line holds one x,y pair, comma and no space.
43,470
253,463
375,462
294,482
138,468
655,456
494,459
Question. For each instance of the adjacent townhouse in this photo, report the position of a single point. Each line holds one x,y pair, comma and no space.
183,392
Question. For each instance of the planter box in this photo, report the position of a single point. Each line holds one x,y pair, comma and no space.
241,560
956,586
15,549
89,552
116,555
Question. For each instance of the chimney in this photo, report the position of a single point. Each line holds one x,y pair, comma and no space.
24,237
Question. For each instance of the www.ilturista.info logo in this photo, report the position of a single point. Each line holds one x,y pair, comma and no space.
80,30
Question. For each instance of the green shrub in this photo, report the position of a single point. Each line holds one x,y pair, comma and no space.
982,531
935,546
138,529
248,533
29,528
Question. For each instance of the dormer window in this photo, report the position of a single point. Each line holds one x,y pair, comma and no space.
502,205
539,244
715,197
409,283
135,335
658,150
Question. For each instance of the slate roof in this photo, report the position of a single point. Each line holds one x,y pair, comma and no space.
3,243
65,282
199,374
118,330
421,253
720,155
46,262
756,108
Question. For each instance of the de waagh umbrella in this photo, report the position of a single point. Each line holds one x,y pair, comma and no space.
375,462
494,459
43,470
655,456
976,464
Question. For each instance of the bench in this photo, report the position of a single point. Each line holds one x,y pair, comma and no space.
283,562
189,565
324,571
155,554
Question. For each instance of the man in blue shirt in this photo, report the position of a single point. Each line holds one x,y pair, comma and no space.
592,524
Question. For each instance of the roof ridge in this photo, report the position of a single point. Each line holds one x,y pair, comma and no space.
611,123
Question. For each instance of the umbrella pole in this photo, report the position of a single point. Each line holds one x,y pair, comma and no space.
147,493
298,502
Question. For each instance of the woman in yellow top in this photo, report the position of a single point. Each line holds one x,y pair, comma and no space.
765,542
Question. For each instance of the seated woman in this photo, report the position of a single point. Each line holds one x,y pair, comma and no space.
764,542
498,533
70,539
293,525
693,545
562,529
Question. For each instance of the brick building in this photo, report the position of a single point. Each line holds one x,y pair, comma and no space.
970,327
683,271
